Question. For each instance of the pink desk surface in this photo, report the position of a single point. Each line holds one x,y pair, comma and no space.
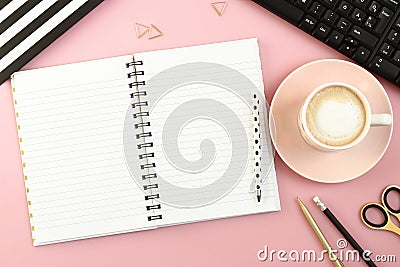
109,31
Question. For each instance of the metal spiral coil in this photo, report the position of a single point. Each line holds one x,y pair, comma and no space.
148,197
139,93
146,155
135,73
147,166
140,104
140,146
134,63
148,134
153,207
140,114
156,217
141,125
134,84
149,176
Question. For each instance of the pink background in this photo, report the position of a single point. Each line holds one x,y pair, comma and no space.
109,31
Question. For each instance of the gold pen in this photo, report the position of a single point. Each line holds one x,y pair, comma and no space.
332,255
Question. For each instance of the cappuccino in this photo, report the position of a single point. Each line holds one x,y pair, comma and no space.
336,116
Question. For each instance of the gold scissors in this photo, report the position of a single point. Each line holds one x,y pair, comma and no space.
385,209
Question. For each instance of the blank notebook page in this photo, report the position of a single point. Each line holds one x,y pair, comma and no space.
70,120
202,124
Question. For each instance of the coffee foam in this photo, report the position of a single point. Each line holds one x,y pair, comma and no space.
336,116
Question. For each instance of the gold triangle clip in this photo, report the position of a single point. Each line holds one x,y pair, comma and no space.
140,34
154,28
221,9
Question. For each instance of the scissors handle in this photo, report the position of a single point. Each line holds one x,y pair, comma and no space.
385,202
387,224
370,224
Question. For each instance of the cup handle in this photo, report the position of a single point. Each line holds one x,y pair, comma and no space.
381,119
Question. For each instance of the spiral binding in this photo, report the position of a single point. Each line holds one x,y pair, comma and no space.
141,125
140,146
147,166
135,84
24,165
255,187
147,155
139,104
149,176
148,134
140,114
153,207
140,93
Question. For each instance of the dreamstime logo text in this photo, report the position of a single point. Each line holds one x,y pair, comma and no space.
310,255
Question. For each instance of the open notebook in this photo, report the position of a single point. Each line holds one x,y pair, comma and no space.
138,142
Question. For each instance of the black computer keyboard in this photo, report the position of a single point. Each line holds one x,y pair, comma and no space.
366,31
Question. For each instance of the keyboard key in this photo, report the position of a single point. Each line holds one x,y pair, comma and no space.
393,37
303,4
386,13
386,50
374,8
384,18
316,10
396,58
351,41
362,3
370,23
392,4
330,17
284,9
364,37
335,39
321,31
361,55
330,3
343,25
308,24
358,16
384,68
397,24
346,49
345,8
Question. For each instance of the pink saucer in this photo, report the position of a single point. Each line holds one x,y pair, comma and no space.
327,167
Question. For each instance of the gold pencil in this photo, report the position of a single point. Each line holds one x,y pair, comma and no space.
332,256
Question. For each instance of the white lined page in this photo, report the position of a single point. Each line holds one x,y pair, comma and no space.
71,120
241,56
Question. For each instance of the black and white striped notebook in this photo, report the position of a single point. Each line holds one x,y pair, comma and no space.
29,26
